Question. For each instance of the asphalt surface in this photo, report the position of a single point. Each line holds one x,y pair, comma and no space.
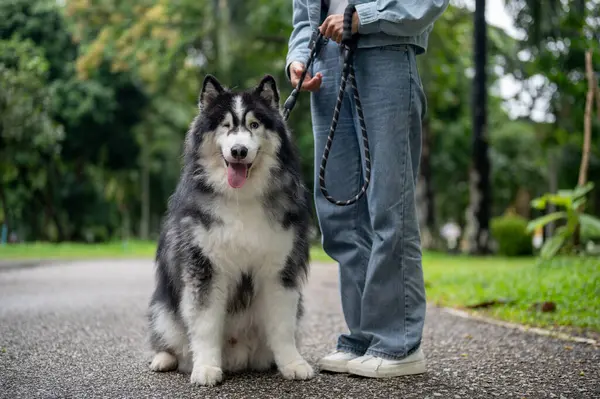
77,330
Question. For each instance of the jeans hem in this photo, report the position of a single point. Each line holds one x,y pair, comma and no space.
391,356
352,349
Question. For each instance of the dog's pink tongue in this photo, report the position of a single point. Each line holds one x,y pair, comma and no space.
236,174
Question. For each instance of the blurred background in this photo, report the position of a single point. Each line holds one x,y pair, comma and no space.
96,97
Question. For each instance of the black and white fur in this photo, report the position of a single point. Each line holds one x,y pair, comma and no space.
231,262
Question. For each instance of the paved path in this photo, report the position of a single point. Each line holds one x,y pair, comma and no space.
77,331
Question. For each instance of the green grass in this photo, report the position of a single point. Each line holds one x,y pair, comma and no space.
573,284
117,249
132,249
453,281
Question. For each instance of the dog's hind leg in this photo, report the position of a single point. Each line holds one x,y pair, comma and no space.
163,361
167,339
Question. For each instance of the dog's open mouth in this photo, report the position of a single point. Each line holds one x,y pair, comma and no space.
237,173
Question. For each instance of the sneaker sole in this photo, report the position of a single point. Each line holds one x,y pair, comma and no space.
412,368
333,367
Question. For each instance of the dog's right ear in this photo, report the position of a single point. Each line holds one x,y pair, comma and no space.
211,88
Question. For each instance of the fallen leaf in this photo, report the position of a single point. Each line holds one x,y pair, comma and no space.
543,307
468,336
567,347
464,355
582,373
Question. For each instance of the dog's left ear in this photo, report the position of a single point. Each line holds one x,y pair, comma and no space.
267,89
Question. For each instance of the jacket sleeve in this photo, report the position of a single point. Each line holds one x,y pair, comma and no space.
399,17
300,36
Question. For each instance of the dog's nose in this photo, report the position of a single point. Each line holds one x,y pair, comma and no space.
239,151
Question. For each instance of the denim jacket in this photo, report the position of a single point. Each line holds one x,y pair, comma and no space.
382,22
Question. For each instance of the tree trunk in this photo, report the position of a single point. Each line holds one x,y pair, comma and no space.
587,121
587,135
50,198
223,38
552,187
479,211
425,203
145,219
523,202
4,208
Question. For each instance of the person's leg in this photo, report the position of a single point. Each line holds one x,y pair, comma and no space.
344,229
393,302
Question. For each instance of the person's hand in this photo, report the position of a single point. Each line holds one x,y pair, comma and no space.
333,26
310,83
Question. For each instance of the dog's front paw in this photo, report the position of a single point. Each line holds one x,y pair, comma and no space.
206,375
297,370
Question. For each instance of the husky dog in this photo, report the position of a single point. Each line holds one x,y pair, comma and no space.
233,252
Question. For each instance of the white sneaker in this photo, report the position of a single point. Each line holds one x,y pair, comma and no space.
336,361
376,367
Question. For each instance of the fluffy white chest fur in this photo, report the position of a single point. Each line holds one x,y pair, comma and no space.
246,240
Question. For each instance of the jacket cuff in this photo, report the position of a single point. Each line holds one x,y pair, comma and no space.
368,17
299,56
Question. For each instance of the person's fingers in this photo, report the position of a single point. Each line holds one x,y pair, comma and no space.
337,36
330,30
324,25
296,69
313,84
309,83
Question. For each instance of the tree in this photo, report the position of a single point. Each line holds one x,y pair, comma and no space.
96,115
29,137
551,64
478,213
444,83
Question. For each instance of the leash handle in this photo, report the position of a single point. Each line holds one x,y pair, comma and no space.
317,41
348,38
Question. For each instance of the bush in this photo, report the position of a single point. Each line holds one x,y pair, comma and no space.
510,233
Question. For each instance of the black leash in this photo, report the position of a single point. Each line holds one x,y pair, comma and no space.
349,42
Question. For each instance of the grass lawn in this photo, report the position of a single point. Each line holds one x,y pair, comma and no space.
132,249
573,284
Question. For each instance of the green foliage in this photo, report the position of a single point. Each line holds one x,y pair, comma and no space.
556,35
448,121
510,233
57,193
575,220
517,162
29,137
24,99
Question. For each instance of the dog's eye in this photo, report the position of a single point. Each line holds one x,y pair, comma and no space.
254,125
227,125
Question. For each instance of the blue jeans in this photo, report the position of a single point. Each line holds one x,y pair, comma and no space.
376,241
